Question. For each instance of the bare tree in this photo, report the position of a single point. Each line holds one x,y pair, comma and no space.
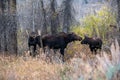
0,6
54,17
44,28
118,18
67,15
8,40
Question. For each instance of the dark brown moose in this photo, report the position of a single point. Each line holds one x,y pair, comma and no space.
94,43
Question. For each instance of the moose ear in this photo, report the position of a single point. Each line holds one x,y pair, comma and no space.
39,32
27,32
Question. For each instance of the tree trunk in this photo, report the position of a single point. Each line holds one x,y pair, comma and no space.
54,18
0,6
44,28
8,40
67,15
118,18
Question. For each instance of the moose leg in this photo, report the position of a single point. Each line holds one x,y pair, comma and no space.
91,49
62,53
29,46
29,49
34,51
95,50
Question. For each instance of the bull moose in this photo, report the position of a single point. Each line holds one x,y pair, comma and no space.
94,43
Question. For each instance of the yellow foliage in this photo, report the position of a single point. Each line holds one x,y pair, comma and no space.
96,25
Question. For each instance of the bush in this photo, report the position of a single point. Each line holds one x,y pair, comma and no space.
96,25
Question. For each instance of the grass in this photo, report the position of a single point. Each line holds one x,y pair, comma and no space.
80,65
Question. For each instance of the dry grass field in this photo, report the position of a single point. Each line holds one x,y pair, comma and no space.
80,65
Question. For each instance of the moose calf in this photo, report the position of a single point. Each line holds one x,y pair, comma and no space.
94,43
33,41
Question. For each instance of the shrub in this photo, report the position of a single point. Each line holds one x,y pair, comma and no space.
96,25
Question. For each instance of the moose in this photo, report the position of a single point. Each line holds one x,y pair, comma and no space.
94,43
60,40
33,41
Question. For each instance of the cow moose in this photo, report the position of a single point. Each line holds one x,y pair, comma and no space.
60,40
94,43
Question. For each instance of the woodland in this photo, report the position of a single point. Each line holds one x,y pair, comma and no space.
94,18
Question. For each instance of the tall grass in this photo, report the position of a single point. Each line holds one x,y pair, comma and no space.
82,66
110,67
